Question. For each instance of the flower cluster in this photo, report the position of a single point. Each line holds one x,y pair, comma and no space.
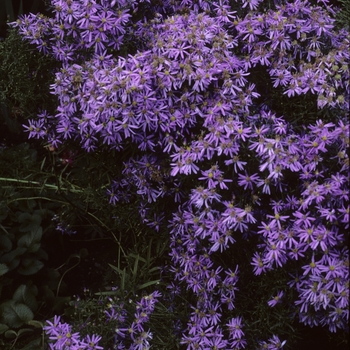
62,338
133,337
273,343
302,225
62,226
139,336
187,101
291,42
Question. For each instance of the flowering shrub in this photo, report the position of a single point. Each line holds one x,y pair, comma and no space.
186,94
134,335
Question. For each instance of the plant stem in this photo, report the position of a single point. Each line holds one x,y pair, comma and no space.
49,186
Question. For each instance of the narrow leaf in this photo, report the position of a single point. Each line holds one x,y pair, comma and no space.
147,284
116,268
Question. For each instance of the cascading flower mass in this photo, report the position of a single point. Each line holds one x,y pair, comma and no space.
191,88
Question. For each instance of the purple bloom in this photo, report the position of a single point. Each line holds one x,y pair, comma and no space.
174,83
259,266
36,129
235,328
60,334
276,299
91,342
247,180
273,343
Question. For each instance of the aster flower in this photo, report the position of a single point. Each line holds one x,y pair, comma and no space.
345,215
293,89
303,219
217,342
313,267
184,95
275,253
212,176
273,343
36,128
52,325
280,77
157,220
247,180
276,299
60,334
253,4
91,342
332,269
259,266
237,164
235,326
277,219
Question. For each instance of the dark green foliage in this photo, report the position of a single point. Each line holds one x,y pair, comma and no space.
40,266
22,268
24,85
27,282
343,17
11,9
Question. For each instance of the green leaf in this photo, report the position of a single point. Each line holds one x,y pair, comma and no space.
25,330
147,284
3,269
48,295
3,328
31,240
15,315
24,218
10,334
30,266
136,264
109,292
41,254
12,258
25,296
35,323
122,280
29,222
154,269
23,312
115,268
138,257
6,258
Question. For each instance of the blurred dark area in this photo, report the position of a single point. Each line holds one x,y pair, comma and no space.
25,73
11,9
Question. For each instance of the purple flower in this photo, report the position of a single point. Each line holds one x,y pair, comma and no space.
276,299
248,180
235,328
174,84
258,263
273,343
36,129
60,334
91,342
